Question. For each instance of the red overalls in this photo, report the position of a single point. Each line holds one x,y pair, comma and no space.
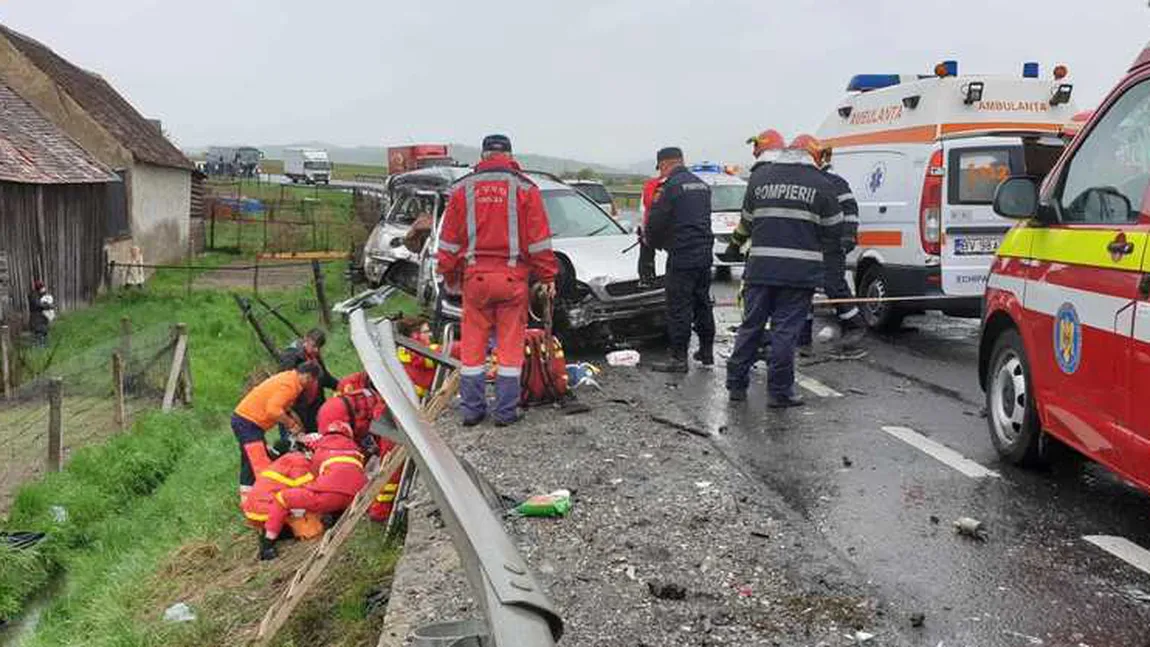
358,408
337,465
495,235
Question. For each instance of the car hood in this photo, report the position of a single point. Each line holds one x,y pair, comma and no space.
601,259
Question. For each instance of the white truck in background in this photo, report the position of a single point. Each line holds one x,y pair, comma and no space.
307,165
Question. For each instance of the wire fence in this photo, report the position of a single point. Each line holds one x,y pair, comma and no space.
262,218
89,404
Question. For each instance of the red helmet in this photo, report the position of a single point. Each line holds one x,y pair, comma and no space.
768,140
816,149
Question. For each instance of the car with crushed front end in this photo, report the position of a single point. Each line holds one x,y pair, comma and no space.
599,301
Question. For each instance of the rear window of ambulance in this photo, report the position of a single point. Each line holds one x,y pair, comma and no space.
975,173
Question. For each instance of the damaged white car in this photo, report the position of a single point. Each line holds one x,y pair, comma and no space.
599,296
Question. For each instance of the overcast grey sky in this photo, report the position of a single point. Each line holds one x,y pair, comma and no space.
595,80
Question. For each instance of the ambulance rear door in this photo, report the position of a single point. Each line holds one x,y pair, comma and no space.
971,231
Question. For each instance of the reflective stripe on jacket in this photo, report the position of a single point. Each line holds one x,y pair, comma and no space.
495,220
850,208
287,471
792,212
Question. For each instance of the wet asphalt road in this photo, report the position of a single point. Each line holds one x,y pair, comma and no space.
887,507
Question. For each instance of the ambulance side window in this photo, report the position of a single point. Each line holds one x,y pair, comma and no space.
1115,158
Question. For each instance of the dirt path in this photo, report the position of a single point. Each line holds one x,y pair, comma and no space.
273,275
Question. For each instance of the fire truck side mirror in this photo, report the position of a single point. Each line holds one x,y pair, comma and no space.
1017,198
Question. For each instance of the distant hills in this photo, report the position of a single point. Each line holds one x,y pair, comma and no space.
377,156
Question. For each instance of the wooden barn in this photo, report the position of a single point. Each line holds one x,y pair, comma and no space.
55,204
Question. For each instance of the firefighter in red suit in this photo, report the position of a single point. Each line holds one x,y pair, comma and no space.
646,252
358,407
290,470
337,464
494,237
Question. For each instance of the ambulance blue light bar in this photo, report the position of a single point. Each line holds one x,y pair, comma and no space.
867,82
706,167
1030,70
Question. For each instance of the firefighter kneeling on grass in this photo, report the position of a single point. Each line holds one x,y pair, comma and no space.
337,464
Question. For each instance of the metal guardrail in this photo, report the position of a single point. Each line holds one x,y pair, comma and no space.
626,199
518,612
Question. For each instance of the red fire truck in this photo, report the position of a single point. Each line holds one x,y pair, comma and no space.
401,159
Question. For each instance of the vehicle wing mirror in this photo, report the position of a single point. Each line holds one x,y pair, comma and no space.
1016,197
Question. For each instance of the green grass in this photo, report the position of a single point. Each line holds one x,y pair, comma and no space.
142,502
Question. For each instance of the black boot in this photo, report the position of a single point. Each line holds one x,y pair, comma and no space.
267,549
676,364
786,402
705,355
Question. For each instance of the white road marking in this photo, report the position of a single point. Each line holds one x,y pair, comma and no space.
940,452
816,387
1123,549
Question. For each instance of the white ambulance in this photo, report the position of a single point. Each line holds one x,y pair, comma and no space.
923,155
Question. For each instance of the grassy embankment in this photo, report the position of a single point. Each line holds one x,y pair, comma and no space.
152,513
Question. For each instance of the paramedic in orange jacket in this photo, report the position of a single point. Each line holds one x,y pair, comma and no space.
261,409
495,236
337,465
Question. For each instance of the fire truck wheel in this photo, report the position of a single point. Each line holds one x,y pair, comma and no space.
1011,411
883,317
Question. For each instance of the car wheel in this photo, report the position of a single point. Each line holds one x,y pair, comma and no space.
404,276
879,316
1011,410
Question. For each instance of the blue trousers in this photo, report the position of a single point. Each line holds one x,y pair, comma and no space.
786,309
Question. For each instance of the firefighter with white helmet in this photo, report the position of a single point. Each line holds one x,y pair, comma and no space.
793,215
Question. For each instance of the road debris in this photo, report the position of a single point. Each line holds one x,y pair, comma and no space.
555,504
935,520
847,462
179,612
1138,595
917,620
695,431
861,637
667,590
623,358
1033,640
968,527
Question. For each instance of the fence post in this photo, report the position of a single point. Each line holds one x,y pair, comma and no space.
177,370
55,424
118,385
212,228
5,360
256,273
321,294
126,339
